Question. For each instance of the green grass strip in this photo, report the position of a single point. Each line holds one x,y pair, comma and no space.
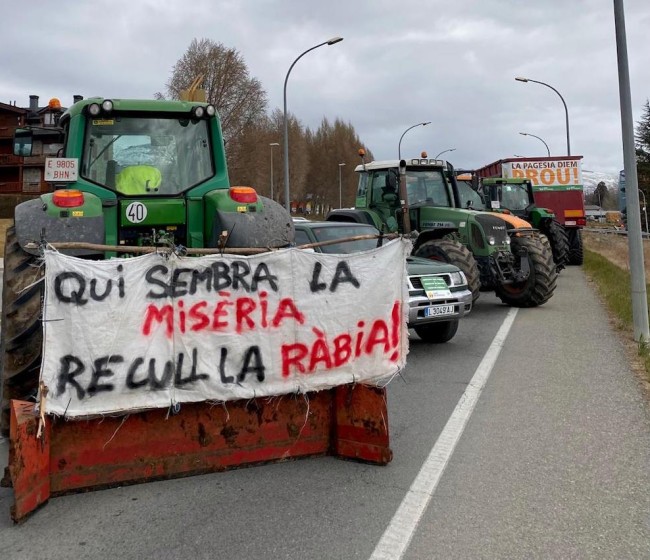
614,284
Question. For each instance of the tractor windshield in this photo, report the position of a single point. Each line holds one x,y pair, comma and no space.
427,187
513,197
143,155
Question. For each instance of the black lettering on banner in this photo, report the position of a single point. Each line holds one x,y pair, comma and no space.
120,281
221,276
240,270
314,284
93,290
70,287
222,368
150,277
262,274
131,383
100,370
179,380
76,292
168,371
252,363
343,274
200,277
67,375
178,286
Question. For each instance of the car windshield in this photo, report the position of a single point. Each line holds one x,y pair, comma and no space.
513,197
332,233
427,187
147,156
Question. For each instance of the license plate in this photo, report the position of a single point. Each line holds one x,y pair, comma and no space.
437,310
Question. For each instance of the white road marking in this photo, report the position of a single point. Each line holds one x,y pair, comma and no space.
400,530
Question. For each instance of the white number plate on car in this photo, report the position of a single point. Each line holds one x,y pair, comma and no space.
439,310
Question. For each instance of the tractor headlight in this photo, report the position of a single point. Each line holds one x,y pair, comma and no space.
94,109
507,241
210,111
198,111
107,106
491,240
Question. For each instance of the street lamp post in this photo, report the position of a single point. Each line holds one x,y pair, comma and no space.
399,146
645,212
271,145
566,111
287,199
540,139
340,186
444,152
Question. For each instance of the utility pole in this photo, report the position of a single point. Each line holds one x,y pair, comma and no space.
634,238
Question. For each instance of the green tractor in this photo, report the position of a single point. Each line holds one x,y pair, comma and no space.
517,267
133,173
516,197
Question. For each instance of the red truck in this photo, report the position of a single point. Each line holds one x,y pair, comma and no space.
557,184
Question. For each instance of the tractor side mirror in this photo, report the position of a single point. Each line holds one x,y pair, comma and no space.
23,142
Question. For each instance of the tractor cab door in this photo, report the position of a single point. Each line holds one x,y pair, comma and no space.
384,197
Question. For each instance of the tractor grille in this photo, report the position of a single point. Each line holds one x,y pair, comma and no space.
496,227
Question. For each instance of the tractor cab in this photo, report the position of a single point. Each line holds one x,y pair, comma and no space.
513,195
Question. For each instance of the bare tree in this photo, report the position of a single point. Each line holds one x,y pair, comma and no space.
239,98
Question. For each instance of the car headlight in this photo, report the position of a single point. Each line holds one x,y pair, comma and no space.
458,278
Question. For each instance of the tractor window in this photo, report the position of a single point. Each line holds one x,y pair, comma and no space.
469,198
362,188
384,187
427,187
514,197
147,156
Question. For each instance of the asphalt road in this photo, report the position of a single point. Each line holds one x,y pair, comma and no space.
553,463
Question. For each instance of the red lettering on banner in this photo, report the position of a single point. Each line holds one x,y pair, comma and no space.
287,310
304,359
201,320
293,355
154,315
244,307
239,315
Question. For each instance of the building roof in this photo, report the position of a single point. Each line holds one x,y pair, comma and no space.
13,108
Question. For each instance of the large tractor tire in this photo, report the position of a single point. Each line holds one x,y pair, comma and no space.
576,253
539,287
21,336
453,252
437,333
559,241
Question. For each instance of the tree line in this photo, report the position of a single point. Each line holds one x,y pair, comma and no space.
251,131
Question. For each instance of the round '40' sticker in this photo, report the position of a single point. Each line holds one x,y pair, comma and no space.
136,212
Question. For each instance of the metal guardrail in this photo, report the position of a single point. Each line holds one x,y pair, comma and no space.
613,231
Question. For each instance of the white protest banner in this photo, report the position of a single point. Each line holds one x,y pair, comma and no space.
150,331
546,174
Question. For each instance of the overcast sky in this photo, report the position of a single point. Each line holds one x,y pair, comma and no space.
401,62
